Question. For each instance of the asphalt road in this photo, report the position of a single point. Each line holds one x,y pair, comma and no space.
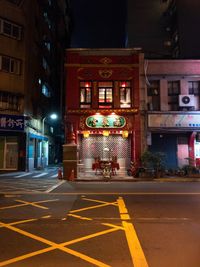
47,222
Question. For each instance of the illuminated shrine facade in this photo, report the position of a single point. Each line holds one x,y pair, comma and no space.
102,104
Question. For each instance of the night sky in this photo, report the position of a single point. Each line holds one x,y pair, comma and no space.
98,23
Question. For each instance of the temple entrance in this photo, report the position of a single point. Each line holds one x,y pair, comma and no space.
104,148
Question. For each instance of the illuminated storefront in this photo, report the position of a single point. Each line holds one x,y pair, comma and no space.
102,105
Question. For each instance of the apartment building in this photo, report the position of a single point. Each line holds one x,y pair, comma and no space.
33,35
173,110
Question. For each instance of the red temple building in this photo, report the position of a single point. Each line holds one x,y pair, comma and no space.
102,117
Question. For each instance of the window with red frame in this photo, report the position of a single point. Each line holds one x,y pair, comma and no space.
105,90
85,94
125,94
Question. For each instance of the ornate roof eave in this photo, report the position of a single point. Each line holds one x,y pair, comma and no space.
102,111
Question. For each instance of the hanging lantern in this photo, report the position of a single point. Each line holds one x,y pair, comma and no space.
86,134
125,134
106,133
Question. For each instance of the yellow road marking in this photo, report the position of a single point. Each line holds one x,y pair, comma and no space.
125,217
122,209
135,248
13,206
113,226
46,217
19,222
26,203
100,201
137,254
32,204
52,245
92,207
113,229
79,217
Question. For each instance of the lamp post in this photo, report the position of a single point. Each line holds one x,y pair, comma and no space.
52,116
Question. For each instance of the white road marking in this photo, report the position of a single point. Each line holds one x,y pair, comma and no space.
23,174
54,176
41,174
54,186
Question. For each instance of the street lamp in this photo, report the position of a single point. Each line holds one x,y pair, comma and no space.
52,116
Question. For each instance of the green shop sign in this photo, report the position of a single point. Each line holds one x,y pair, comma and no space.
100,121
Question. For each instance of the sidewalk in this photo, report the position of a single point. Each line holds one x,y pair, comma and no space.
133,179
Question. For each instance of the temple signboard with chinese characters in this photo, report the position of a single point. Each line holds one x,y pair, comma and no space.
110,121
11,122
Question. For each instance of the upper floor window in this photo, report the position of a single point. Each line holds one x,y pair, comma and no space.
85,94
10,101
194,87
10,29
105,90
153,92
173,94
9,64
125,94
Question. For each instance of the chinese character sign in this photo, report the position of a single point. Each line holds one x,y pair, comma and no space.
100,121
11,122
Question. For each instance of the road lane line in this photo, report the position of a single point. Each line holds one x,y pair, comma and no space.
54,187
137,254
135,248
22,175
39,175
54,176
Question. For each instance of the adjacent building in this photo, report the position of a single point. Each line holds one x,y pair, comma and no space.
33,35
173,110
164,28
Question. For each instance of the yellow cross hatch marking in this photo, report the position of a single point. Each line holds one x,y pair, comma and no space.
137,254
79,217
26,203
54,246
91,207
19,222
100,201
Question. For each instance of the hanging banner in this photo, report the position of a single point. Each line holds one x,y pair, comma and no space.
110,121
11,122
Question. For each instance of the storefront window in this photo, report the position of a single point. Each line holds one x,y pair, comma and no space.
105,94
85,94
125,94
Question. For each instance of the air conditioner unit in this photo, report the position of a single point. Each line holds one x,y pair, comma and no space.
186,100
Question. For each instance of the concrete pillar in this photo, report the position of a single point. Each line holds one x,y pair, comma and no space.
69,162
70,154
